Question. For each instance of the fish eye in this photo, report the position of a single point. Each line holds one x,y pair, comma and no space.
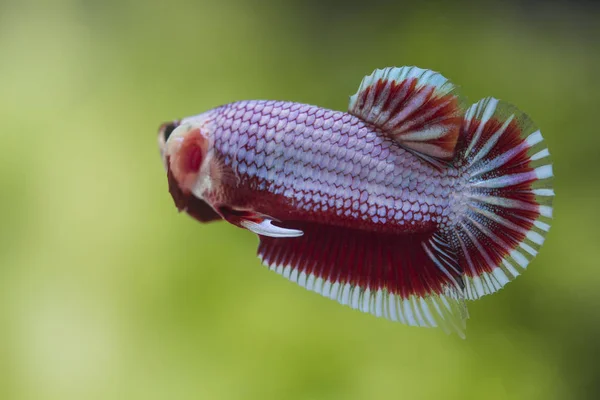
168,128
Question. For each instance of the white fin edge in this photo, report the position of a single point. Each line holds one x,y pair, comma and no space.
491,197
447,311
266,228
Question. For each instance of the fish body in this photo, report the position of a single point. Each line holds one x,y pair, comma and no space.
405,206
305,163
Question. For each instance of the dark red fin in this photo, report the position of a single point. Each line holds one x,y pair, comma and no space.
508,197
413,279
187,202
201,211
418,108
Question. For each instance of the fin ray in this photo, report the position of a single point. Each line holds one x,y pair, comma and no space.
418,108
509,195
402,278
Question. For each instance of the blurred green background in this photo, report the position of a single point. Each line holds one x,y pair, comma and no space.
107,293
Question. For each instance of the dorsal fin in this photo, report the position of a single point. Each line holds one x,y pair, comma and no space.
418,108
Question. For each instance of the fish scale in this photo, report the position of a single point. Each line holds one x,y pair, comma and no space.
328,158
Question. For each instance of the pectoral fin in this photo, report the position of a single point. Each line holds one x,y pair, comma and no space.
266,228
257,223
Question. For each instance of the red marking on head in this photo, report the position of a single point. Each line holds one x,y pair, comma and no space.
191,157
186,157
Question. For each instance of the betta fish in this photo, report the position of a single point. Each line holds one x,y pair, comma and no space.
405,206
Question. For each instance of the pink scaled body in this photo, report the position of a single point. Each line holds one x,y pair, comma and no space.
297,162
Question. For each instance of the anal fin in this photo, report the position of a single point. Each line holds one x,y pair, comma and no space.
412,279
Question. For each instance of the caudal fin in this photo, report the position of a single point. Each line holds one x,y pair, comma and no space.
507,207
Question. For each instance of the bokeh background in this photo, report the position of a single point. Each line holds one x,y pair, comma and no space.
107,293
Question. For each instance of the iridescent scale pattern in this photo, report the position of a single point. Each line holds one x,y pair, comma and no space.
331,162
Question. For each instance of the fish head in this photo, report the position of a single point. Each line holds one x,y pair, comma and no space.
185,148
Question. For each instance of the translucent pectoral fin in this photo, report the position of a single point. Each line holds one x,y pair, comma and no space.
257,223
266,228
